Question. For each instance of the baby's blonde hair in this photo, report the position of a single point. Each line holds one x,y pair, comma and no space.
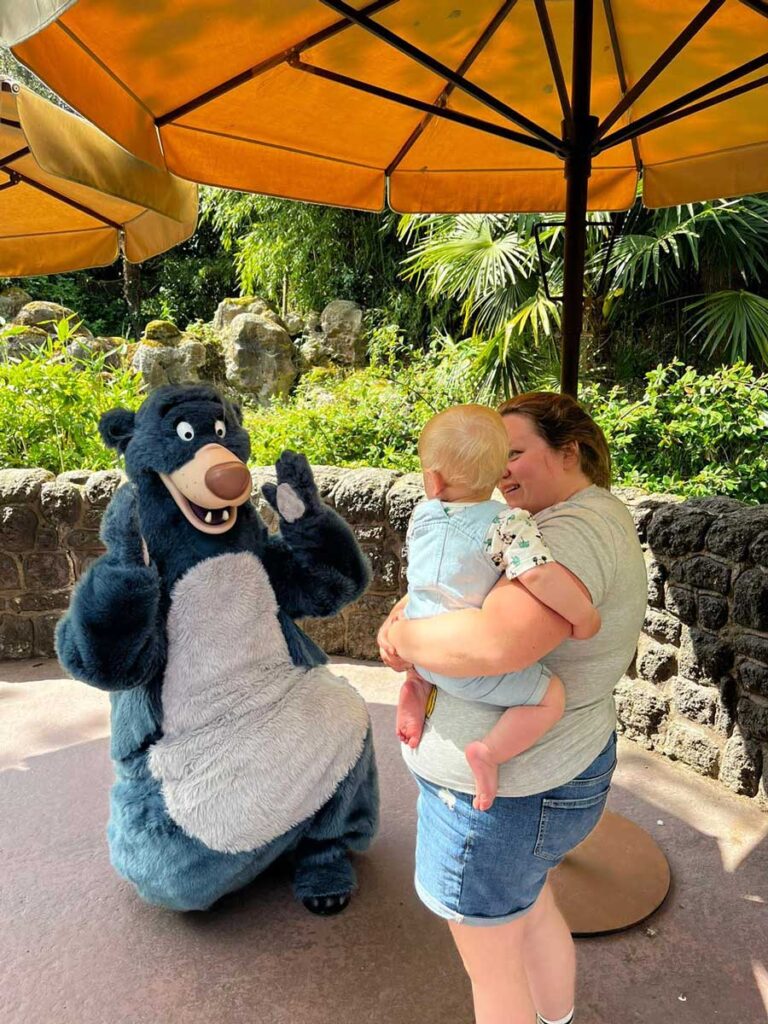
467,445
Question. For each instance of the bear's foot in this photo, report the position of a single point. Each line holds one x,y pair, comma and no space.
327,906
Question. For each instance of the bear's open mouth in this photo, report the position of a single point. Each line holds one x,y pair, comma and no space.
211,516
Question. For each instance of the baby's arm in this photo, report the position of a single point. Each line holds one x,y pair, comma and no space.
559,590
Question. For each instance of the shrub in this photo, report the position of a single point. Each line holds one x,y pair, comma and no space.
50,404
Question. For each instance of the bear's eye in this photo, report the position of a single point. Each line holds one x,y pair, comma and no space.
221,428
185,431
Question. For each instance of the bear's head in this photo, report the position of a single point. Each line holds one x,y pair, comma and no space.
193,440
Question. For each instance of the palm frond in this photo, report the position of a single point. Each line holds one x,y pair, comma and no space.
732,324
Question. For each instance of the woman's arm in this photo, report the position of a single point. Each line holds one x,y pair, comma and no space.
510,632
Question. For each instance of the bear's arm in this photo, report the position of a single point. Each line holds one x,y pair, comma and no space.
112,637
314,564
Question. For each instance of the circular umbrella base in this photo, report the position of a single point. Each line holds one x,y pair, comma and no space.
616,878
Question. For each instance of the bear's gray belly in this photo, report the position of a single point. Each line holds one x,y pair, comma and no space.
252,743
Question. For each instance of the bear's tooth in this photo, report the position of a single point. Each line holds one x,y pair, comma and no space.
225,515
209,517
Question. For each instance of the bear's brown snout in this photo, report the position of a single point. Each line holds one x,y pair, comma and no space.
228,480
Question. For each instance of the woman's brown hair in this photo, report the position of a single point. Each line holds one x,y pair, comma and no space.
559,420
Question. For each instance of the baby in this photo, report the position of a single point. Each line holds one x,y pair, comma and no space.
459,542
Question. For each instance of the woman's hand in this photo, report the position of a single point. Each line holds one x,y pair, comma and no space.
387,651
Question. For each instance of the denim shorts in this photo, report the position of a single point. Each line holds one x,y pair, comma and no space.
488,867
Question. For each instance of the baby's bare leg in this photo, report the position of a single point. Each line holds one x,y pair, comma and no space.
411,708
516,731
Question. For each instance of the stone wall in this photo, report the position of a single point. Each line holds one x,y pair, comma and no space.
697,691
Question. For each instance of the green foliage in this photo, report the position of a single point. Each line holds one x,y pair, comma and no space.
368,417
689,433
50,406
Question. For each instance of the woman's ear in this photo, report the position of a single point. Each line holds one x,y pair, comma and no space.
571,454
116,428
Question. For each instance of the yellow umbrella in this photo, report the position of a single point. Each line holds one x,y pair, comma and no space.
70,197
429,105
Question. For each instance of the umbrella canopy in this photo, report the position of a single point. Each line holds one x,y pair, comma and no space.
69,195
323,102
425,104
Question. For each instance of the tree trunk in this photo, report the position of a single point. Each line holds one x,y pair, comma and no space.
132,295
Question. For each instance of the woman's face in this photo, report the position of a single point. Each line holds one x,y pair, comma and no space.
536,475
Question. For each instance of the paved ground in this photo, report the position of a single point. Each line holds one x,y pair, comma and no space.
77,947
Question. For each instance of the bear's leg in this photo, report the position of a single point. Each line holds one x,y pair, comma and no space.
324,877
168,867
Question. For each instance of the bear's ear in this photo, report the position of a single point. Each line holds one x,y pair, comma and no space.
238,411
116,428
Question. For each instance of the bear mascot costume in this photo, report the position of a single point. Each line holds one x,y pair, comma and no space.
233,744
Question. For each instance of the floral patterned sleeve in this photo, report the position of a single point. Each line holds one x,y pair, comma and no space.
514,543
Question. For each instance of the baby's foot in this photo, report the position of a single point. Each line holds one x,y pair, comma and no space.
410,713
486,772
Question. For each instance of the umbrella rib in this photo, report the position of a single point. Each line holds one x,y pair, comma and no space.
69,202
437,111
554,60
556,145
661,62
620,69
677,109
449,87
266,65
24,151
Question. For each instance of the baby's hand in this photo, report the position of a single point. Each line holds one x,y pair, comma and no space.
587,628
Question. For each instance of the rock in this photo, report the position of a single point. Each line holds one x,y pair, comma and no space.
713,611
732,535
662,626
74,476
294,324
163,333
682,603
402,498
46,315
361,494
47,571
24,343
755,647
342,324
18,528
758,552
12,299
363,621
230,308
641,708
44,635
9,573
753,719
112,349
259,357
385,569
19,486
61,502
655,662
169,364
694,745
717,506
102,485
702,572
315,352
16,637
753,677
699,703
750,600
674,530
656,577
704,656
330,634
741,765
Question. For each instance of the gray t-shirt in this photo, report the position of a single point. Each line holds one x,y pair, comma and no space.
593,535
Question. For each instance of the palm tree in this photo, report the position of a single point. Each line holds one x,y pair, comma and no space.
693,266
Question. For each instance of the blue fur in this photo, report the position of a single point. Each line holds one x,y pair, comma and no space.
113,637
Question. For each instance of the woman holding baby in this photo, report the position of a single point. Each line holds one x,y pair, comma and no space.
515,758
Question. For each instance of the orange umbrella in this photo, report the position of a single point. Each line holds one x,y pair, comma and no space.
425,104
70,197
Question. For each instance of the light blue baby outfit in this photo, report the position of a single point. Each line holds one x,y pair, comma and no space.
456,553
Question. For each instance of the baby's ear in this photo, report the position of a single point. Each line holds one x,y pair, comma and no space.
116,428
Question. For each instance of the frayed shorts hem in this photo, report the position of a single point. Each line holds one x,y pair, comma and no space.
440,909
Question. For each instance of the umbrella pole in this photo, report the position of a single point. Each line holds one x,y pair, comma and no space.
580,132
